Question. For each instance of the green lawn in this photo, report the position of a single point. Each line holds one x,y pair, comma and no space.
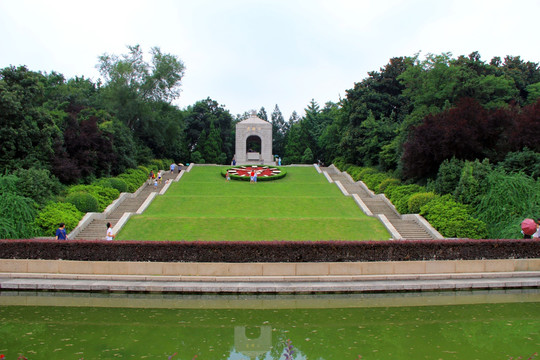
301,206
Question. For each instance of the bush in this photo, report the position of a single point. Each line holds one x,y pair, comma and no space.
134,178
17,214
416,201
453,219
400,196
113,183
339,162
53,214
373,181
385,183
526,161
37,184
472,183
364,172
83,201
448,176
104,195
509,199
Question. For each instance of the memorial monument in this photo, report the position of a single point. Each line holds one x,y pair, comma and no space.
253,141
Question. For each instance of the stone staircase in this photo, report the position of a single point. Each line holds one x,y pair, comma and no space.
97,228
407,226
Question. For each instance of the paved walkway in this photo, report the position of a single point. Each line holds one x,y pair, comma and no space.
277,284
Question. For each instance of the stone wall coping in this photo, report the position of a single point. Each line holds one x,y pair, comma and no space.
244,270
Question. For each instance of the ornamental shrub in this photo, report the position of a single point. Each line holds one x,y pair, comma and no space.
453,219
373,181
448,176
17,214
83,201
53,214
509,199
104,195
113,183
400,196
385,183
134,178
363,172
416,201
37,184
339,162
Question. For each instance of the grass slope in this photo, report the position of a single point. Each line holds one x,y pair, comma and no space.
301,206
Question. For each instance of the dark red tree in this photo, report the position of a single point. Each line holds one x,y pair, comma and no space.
461,132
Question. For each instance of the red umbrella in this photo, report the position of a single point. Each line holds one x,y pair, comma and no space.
528,226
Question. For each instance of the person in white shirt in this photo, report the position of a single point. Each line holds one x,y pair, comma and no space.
110,234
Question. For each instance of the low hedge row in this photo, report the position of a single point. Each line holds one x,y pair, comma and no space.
285,251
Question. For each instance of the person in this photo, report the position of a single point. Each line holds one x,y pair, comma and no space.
155,184
234,161
172,167
151,176
536,235
252,176
279,161
61,232
110,234
159,176
227,176
255,177
180,167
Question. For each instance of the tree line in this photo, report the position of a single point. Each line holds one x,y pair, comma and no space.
407,119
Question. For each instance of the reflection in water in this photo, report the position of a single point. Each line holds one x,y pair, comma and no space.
463,325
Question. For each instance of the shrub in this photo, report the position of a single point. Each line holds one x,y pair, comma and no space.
17,214
472,183
118,184
134,178
37,184
53,214
509,199
83,201
448,176
400,196
385,183
373,181
113,183
416,201
365,171
104,195
526,161
339,162
453,219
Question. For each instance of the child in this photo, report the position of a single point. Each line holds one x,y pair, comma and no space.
227,176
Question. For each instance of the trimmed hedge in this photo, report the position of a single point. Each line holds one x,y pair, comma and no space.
284,251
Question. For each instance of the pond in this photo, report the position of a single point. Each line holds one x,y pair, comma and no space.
447,325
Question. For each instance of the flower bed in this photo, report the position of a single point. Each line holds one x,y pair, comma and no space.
264,172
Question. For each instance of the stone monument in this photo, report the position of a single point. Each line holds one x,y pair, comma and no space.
253,141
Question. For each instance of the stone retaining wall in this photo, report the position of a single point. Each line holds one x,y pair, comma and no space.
266,269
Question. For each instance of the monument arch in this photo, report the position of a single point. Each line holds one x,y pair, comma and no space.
253,141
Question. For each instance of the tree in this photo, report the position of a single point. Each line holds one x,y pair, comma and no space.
130,81
27,130
199,117
278,132
460,132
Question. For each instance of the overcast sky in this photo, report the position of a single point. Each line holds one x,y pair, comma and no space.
251,53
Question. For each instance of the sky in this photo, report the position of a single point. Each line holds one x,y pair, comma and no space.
248,54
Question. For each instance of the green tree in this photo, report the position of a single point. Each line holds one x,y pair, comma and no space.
278,131
27,130
131,82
